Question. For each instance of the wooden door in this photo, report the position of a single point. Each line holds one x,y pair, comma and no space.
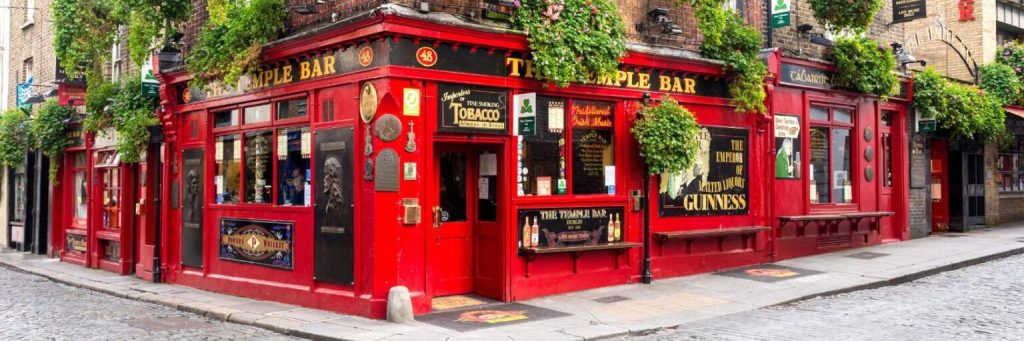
144,223
887,175
940,186
453,216
488,230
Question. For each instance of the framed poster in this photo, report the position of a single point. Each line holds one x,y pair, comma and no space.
562,227
716,184
259,242
787,146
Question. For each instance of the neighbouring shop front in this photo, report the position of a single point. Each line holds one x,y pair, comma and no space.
1009,168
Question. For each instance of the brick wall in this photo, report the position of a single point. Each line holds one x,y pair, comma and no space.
919,205
992,202
1011,208
793,45
33,41
979,35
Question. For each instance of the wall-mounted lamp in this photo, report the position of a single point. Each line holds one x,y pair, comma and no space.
423,6
659,20
304,9
815,38
904,58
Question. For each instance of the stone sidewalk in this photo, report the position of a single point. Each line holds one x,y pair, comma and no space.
593,314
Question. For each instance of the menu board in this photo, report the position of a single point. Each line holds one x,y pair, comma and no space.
593,147
716,184
787,147
469,109
562,227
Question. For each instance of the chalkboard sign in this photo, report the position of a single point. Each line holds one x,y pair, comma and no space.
469,109
561,227
593,148
717,182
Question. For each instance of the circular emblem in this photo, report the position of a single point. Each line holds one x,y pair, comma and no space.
388,127
868,134
426,56
367,102
869,174
365,56
186,95
869,154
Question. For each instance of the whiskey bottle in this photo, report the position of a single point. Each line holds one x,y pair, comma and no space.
526,233
618,228
535,234
611,229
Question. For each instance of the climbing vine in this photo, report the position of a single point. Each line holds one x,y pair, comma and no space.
133,112
573,41
666,134
234,36
48,129
98,95
853,15
863,65
962,110
728,38
999,81
15,137
1012,55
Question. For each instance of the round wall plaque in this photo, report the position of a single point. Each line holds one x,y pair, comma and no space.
367,102
869,153
868,134
388,127
869,174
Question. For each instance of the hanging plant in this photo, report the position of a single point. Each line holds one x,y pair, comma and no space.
98,96
863,65
962,110
1012,55
1000,82
666,135
48,129
15,137
853,15
133,113
572,41
230,45
728,38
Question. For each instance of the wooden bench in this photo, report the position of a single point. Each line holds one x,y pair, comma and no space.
746,232
576,250
831,221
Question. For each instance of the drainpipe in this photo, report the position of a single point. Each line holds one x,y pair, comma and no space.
646,275
156,138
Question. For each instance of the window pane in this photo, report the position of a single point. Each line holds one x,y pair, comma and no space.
257,114
819,114
543,153
887,160
227,175
291,109
258,170
819,165
453,186
842,115
593,148
81,191
225,118
842,189
293,167
19,193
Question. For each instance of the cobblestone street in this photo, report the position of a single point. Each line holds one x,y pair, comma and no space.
983,302
35,308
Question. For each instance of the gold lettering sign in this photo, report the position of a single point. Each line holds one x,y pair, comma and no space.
525,68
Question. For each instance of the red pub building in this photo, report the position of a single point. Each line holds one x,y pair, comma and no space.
394,150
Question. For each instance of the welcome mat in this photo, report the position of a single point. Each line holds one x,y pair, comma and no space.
768,273
488,316
455,302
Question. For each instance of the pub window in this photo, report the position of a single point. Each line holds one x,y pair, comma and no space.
543,153
1010,165
593,148
80,189
293,150
291,109
258,170
257,114
830,161
227,175
20,180
226,118
108,166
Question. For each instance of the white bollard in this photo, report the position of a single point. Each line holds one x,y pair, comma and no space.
399,305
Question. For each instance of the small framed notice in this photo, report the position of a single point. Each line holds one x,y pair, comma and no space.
543,185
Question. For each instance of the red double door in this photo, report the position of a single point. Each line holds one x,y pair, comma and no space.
466,209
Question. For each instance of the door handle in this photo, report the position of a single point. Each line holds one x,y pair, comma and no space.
437,217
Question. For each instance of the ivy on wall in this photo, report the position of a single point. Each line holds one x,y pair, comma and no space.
728,38
666,135
572,41
865,66
852,15
133,112
48,130
1000,82
15,137
962,110
1012,56
234,36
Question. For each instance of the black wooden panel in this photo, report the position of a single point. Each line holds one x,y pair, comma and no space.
192,208
333,249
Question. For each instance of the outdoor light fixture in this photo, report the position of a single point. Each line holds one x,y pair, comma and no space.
659,19
304,9
424,6
816,38
904,58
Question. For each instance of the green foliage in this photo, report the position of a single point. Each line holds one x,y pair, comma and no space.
1000,82
83,33
1012,55
864,66
962,110
667,137
15,137
854,15
728,38
133,112
97,99
48,129
585,42
231,46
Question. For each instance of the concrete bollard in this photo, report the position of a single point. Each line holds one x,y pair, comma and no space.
399,305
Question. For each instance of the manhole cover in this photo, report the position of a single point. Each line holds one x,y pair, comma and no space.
611,299
867,255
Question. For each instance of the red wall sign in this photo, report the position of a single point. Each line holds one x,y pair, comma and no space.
966,10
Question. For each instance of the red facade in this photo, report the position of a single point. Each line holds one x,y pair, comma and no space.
281,190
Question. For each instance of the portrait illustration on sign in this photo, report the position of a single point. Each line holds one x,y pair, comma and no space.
333,184
689,180
716,184
192,193
787,145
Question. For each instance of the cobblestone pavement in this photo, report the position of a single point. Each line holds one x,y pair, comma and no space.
982,302
35,308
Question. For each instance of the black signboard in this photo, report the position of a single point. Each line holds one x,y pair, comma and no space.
192,208
907,10
561,227
593,151
470,109
717,182
806,76
260,242
333,222
61,76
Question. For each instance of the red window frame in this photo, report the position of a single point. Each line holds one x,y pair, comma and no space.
830,124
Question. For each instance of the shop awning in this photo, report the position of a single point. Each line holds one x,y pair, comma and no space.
1015,111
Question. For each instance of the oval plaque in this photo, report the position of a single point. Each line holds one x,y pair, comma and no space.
388,127
367,102
869,153
869,174
868,134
